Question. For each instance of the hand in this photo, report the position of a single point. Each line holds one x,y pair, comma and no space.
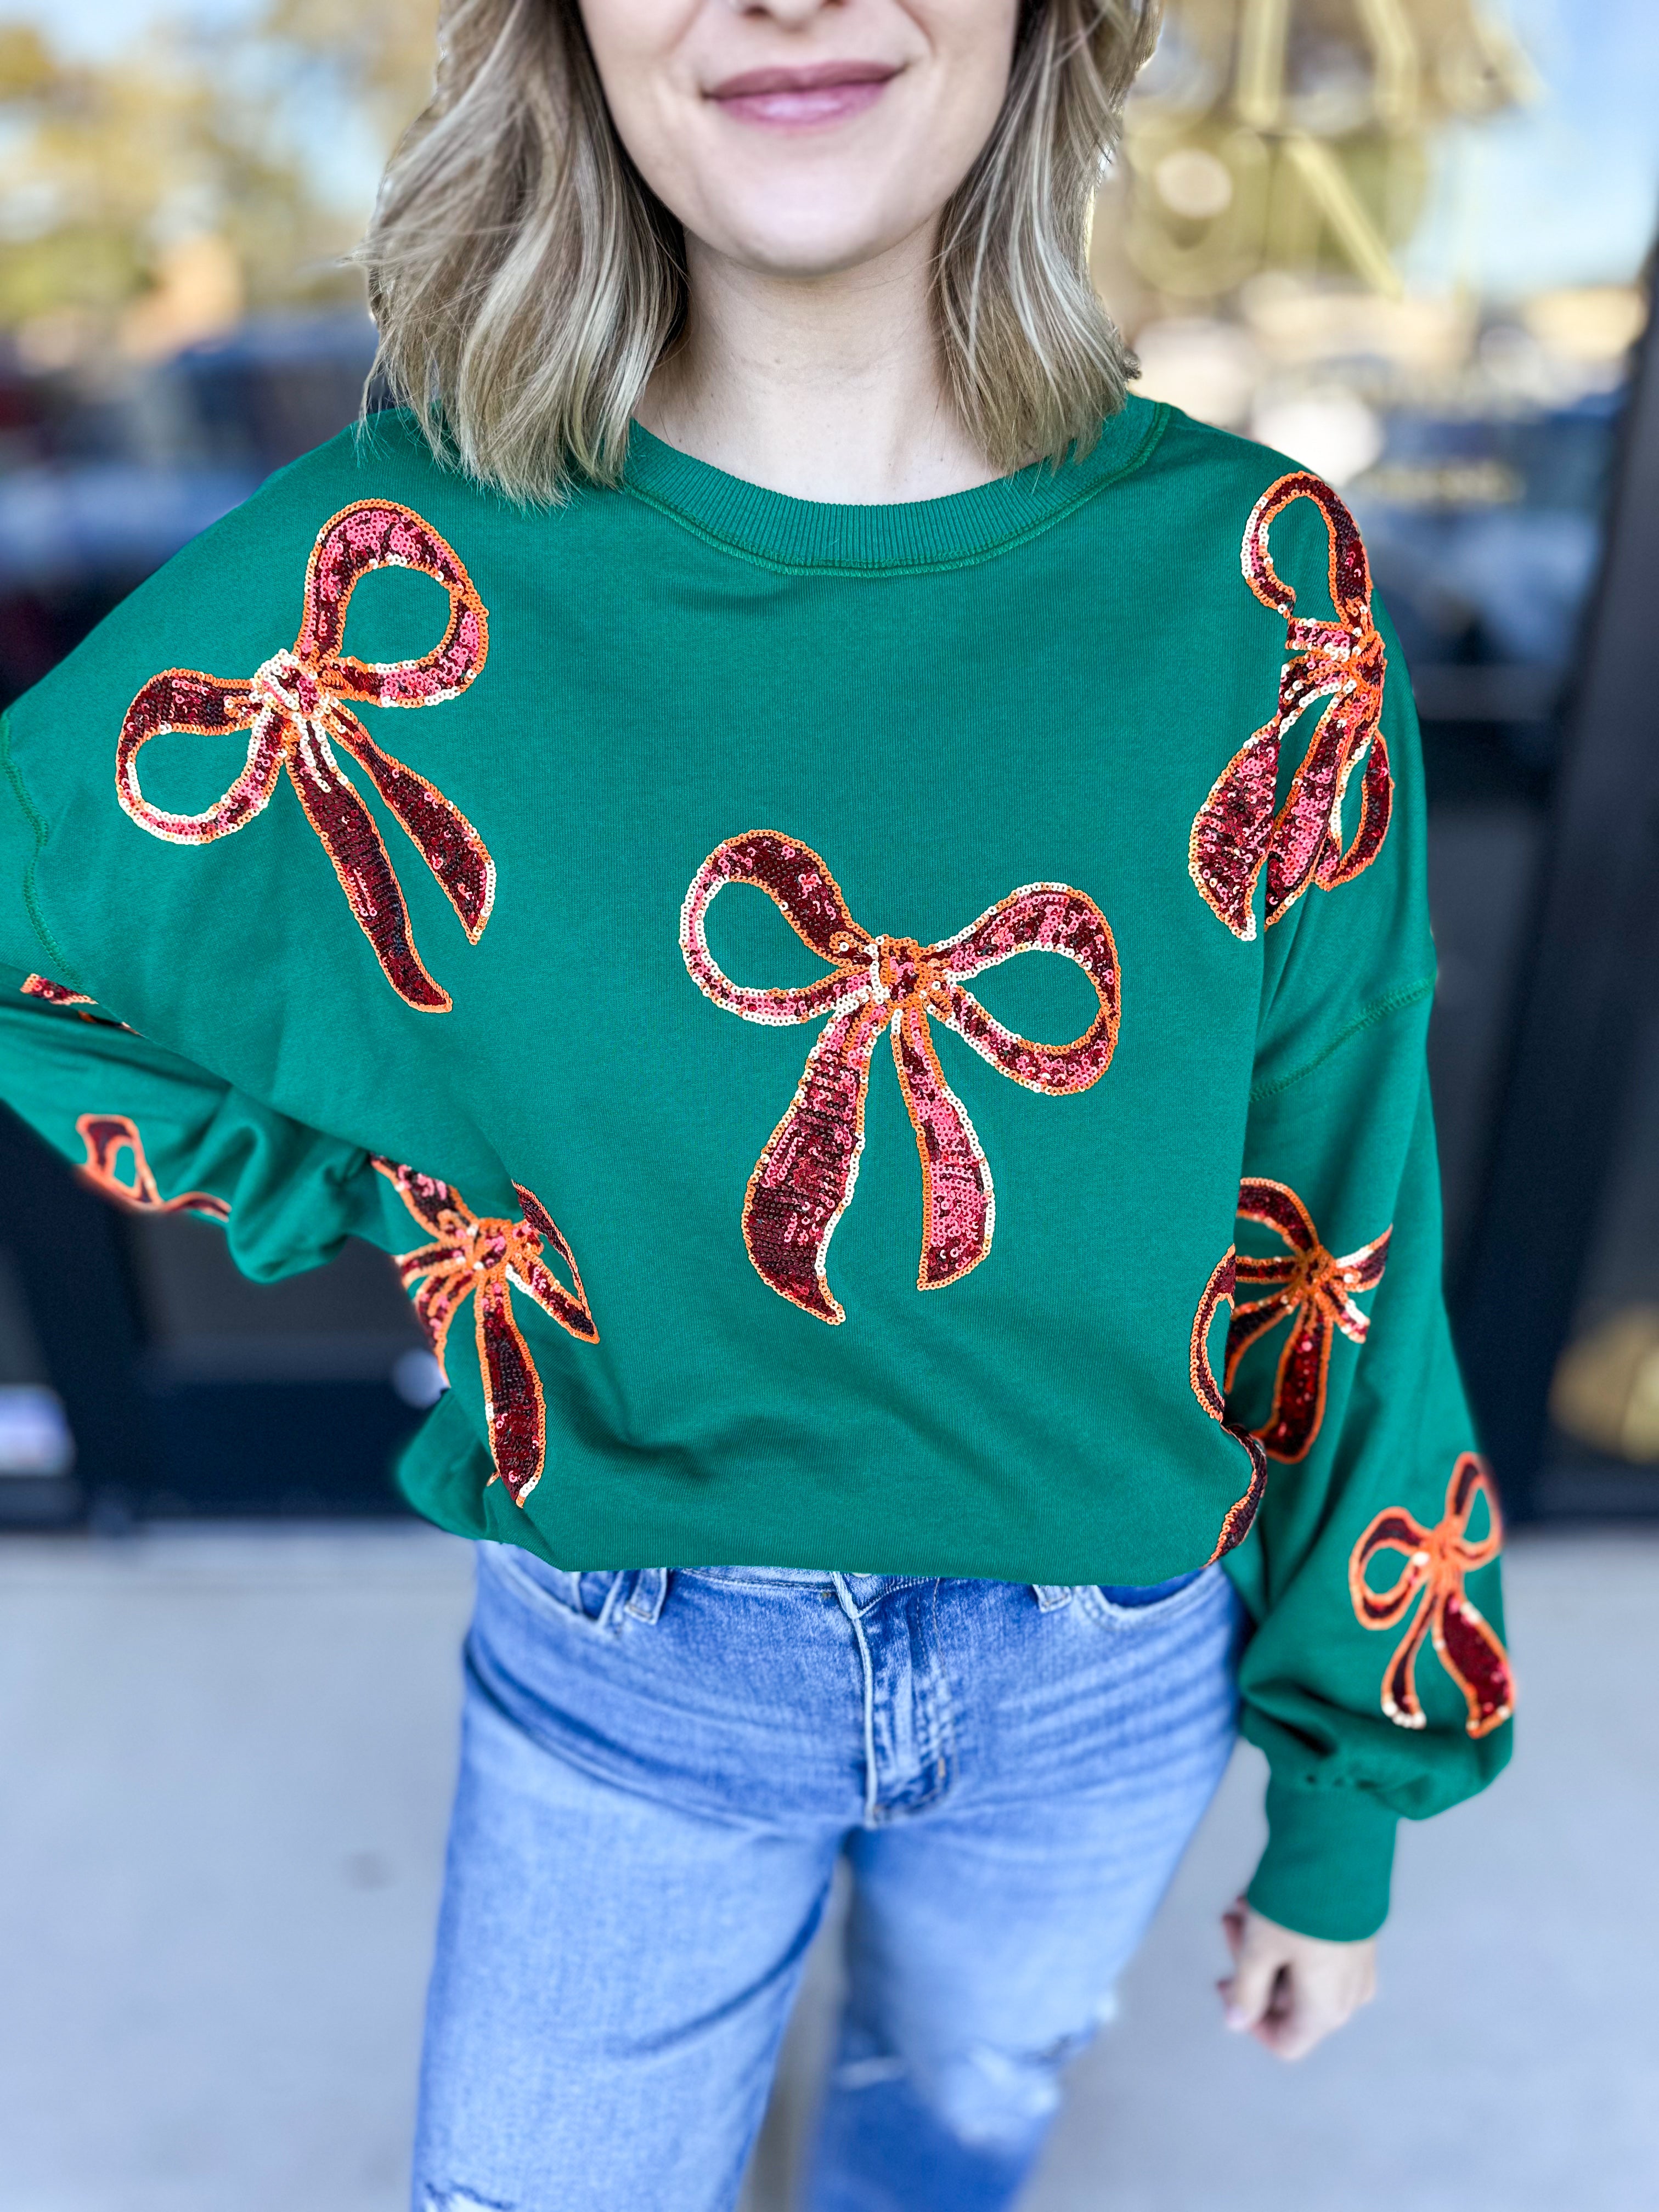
1290,1991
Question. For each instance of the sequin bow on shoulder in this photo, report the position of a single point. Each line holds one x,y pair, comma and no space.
295,707
803,1179
1437,1562
486,1258
1237,830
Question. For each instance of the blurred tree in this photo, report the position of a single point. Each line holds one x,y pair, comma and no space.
377,54
1292,134
151,198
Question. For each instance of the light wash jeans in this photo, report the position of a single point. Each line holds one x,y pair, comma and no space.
659,1772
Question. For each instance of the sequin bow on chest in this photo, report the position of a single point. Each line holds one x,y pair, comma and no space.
1437,1562
805,1176
294,708
1237,830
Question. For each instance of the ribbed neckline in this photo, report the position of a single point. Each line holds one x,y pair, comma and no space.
808,536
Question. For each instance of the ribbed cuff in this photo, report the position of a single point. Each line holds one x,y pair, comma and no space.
1326,1870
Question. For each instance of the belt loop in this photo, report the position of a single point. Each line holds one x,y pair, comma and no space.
1050,1596
610,1612
650,1591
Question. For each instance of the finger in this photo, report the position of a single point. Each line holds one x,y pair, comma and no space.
1308,2007
1249,1996
1232,1927
1293,2026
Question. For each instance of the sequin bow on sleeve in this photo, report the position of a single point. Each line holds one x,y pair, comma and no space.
803,1179
1217,1292
1315,1292
1437,1562
1236,829
295,711
487,1258
106,1137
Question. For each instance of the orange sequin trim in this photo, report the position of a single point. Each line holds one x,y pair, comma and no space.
59,994
293,707
106,1137
1315,1292
1236,832
1219,1293
803,1179
486,1258
1437,1561
55,994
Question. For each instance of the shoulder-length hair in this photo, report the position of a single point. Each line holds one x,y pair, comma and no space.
526,281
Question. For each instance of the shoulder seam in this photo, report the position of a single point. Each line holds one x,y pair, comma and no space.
30,888
1392,1002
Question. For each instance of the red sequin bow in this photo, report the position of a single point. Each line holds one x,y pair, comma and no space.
293,707
1219,1293
1237,830
487,1259
805,1176
1437,1559
106,1137
1315,1292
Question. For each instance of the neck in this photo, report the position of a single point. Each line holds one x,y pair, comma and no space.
825,387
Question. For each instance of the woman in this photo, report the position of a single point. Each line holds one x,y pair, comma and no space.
811,630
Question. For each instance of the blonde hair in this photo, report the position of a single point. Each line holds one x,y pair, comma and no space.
526,281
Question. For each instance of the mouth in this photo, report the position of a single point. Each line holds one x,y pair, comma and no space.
798,99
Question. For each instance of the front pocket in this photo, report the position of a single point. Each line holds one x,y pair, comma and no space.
584,1598
1200,1590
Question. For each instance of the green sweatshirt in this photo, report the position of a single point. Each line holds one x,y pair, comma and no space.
531,893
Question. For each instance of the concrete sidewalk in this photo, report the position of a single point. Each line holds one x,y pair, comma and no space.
224,1758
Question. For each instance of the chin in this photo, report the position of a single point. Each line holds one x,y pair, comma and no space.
811,242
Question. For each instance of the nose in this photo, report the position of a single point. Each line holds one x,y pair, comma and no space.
790,14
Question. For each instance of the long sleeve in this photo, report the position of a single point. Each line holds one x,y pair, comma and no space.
150,1128
373,816
1376,1680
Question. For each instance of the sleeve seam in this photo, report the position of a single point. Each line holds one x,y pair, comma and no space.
1380,1009
30,888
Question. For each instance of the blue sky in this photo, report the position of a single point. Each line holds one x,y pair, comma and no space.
1565,191
102,27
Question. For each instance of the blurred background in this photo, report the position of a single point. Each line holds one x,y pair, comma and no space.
1409,242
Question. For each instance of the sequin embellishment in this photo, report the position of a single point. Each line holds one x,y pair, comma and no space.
487,1259
55,994
1315,1292
1219,1293
1437,1562
293,707
59,994
106,1137
1237,830
803,1179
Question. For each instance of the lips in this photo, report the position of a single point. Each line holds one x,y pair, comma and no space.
825,92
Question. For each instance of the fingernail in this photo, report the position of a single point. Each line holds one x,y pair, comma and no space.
1235,2017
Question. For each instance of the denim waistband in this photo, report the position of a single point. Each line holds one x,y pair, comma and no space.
1147,1593
1129,1591
759,1574
1049,1595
